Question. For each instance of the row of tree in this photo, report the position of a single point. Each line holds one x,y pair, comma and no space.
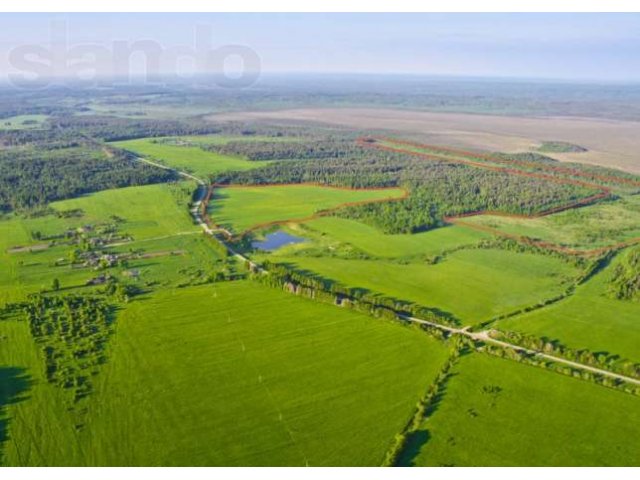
425,406
553,347
329,291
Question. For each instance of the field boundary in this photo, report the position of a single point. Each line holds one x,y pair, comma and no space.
604,192
492,158
320,213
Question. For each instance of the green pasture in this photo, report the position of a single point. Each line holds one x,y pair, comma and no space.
473,285
335,231
595,226
590,318
22,122
497,412
226,374
242,208
186,158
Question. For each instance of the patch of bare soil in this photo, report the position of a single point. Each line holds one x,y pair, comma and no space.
611,143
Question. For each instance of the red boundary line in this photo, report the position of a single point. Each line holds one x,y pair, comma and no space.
321,213
604,191
492,158
369,142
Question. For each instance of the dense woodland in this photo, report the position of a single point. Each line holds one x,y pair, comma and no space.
30,177
436,189
290,150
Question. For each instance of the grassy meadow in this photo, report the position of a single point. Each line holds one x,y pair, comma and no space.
22,122
497,412
585,228
334,231
241,208
225,374
590,318
473,285
187,158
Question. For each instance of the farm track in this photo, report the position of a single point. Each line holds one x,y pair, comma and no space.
202,197
485,336
603,192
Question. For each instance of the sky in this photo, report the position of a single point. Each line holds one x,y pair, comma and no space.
599,47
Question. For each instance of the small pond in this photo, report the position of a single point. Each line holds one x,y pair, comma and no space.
275,240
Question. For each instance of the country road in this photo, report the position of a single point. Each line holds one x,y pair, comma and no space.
195,209
483,336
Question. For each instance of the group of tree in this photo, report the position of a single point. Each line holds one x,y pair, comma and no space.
625,281
332,147
437,189
72,331
32,177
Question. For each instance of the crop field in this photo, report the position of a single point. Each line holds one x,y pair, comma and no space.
590,318
591,227
334,231
192,159
458,284
353,286
610,144
226,374
494,411
244,207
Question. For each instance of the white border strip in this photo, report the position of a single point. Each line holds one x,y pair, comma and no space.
310,6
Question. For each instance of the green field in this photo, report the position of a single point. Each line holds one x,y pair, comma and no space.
334,231
241,208
473,285
229,374
589,318
192,159
156,216
22,122
498,412
590,227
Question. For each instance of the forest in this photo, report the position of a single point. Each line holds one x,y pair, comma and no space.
437,189
32,177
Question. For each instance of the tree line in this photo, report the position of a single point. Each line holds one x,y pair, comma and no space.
437,189
31,177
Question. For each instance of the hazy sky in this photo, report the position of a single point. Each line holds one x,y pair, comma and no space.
581,46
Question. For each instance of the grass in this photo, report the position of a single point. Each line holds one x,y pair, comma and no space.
231,374
473,285
585,228
497,412
589,318
192,159
22,122
378,244
242,208
155,215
